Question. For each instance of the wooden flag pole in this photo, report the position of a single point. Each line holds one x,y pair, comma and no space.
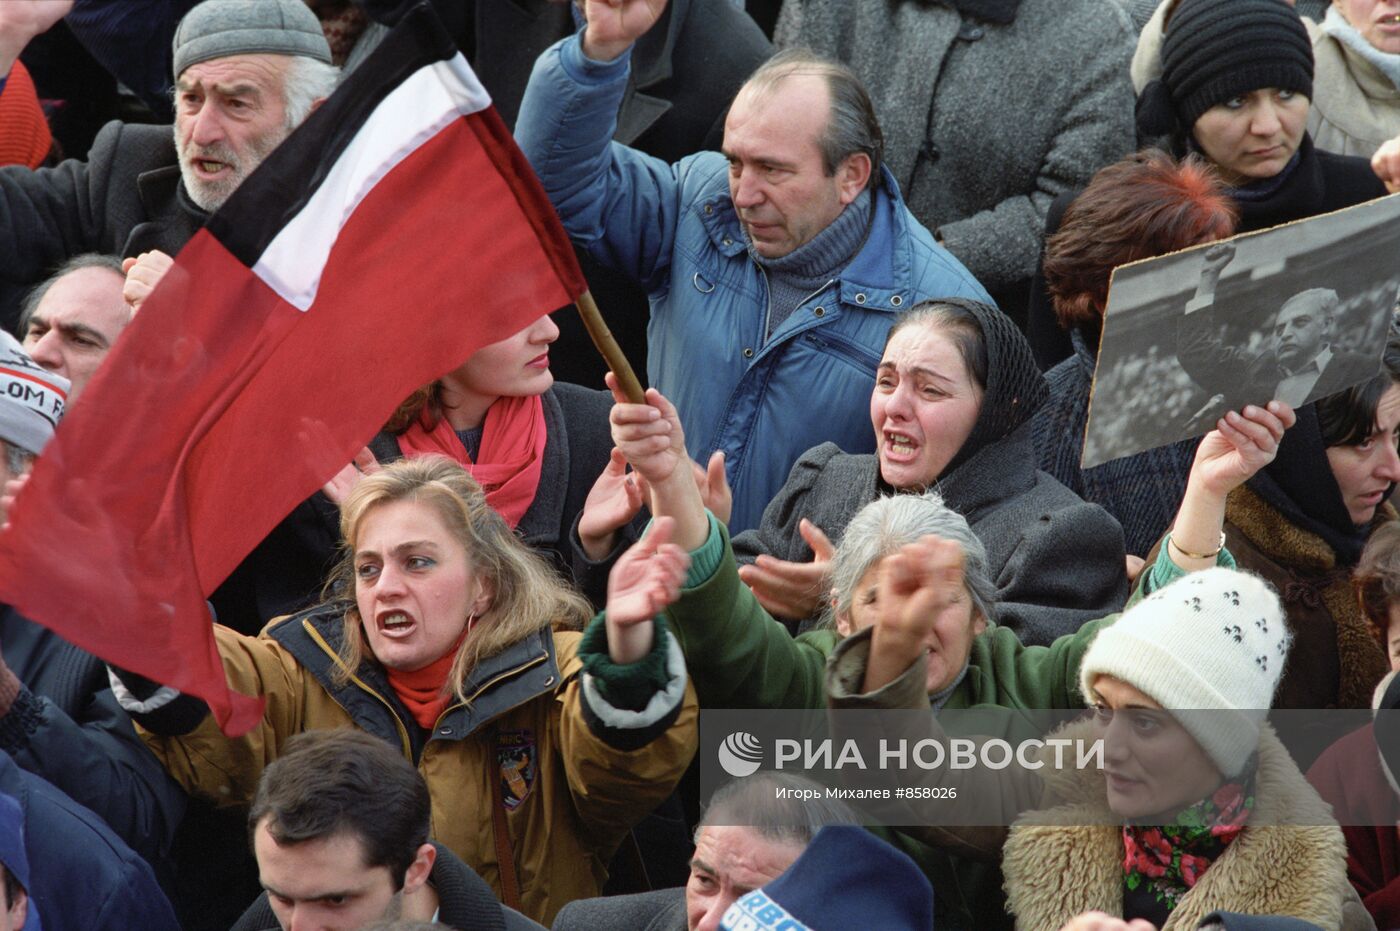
610,350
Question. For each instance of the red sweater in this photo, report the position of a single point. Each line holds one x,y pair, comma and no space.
24,133
1349,777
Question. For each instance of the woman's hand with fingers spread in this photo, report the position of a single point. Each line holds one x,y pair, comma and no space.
646,579
611,504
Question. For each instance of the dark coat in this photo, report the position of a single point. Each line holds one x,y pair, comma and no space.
1141,491
1055,560
286,571
66,727
124,200
83,877
464,900
662,910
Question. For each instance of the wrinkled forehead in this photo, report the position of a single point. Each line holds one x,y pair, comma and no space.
260,72
1313,302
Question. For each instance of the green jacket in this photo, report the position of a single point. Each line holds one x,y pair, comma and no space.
738,656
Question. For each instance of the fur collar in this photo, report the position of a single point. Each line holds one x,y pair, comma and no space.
1070,859
1313,579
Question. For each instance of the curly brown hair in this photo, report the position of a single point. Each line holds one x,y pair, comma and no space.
1146,205
1377,579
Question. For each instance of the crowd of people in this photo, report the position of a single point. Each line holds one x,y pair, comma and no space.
861,252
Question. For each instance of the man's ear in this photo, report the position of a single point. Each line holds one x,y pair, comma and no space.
420,869
19,909
852,176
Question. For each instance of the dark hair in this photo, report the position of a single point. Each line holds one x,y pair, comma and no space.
784,817
962,327
1349,417
1377,578
77,263
851,127
1146,205
345,781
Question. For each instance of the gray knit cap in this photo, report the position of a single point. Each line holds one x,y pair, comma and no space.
31,399
221,28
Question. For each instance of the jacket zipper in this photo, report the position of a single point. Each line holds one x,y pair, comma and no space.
486,685
403,731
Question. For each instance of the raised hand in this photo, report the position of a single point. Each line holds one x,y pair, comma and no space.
1241,444
649,435
714,487
1216,258
613,25
645,579
22,20
344,481
917,584
614,500
143,273
793,590
7,497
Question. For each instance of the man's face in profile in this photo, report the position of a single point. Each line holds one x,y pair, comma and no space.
1300,330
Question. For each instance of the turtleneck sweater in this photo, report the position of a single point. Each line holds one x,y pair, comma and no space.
794,277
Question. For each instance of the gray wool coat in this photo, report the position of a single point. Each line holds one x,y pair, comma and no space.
984,124
1056,560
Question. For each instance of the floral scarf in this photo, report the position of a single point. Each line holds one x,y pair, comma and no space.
1162,863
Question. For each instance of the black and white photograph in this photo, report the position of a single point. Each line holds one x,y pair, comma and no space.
1294,314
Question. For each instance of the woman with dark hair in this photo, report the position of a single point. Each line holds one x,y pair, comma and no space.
954,396
1302,523
1148,204
1235,89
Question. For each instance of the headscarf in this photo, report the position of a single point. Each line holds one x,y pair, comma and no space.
1015,387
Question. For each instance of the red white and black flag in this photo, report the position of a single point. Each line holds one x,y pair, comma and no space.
394,233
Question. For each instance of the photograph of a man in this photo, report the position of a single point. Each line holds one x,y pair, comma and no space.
1296,361
1294,313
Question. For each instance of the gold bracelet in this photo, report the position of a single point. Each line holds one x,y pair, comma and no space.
1189,555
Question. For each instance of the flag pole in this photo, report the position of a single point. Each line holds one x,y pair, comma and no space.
610,350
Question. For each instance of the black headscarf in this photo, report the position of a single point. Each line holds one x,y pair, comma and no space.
1015,387
1299,484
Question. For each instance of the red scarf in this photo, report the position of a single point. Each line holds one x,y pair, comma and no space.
512,452
424,691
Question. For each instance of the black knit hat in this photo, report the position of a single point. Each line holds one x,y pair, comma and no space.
1218,49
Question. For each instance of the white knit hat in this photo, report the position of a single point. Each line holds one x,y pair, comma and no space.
1214,640
31,399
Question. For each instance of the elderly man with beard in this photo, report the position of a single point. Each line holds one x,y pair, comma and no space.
247,73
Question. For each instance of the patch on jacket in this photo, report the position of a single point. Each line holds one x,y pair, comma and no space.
516,756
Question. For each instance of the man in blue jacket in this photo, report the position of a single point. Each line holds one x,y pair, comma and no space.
774,270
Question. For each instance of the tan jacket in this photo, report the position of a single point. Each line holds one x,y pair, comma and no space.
569,795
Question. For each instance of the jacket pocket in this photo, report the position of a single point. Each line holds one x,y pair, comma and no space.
844,348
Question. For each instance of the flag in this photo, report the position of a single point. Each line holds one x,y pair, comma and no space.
394,233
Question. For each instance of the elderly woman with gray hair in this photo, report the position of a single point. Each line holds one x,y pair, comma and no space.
738,656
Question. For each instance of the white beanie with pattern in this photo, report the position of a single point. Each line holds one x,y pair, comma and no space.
1212,641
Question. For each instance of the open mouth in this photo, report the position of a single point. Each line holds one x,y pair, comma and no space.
900,447
395,623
